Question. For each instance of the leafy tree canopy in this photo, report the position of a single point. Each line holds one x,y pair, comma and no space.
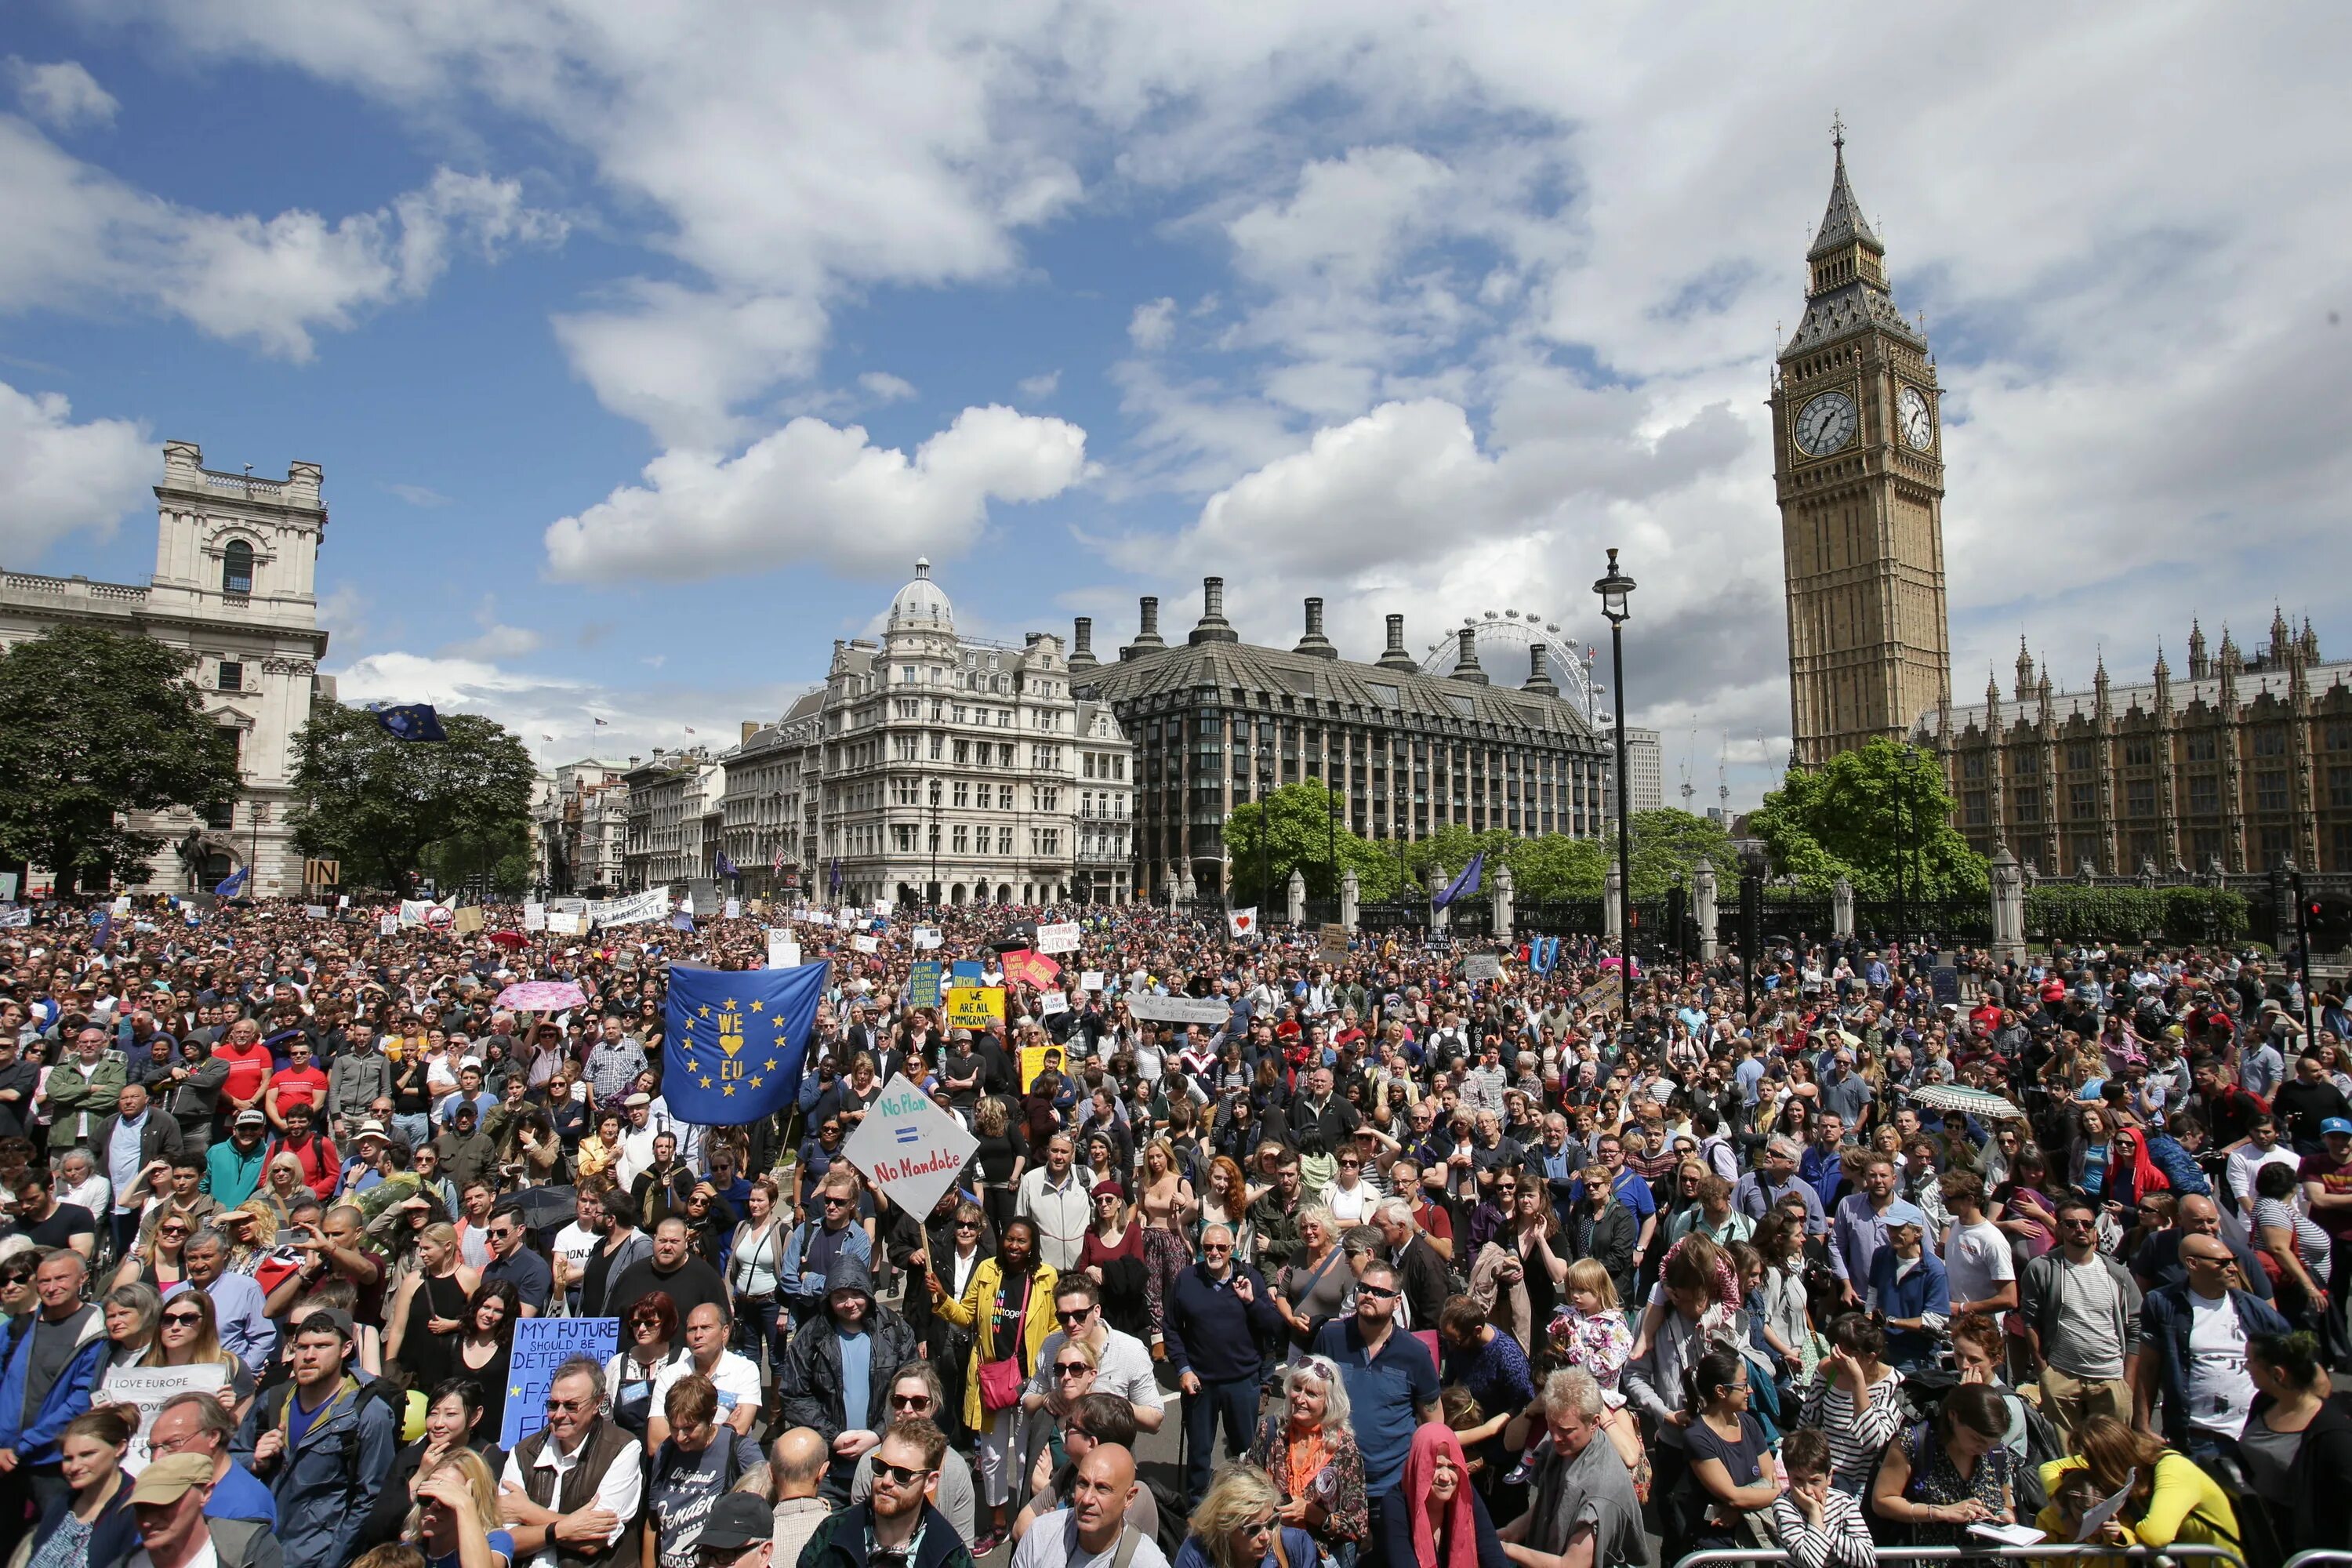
1299,826
387,807
1873,816
94,723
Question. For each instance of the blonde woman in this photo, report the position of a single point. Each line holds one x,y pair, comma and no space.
456,1522
1307,1450
428,1314
1167,1206
1238,1523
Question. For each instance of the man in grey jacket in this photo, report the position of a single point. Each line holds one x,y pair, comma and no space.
2080,1311
359,1076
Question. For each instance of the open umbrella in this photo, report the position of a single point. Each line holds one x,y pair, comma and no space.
1967,1102
509,938
542,997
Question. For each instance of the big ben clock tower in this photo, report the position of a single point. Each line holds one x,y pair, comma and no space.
1857,449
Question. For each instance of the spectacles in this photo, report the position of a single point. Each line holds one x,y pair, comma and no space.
967,1224
898,1475
1257,1527
915,1401
1080,1316
182,1318
1377,1292
834,1202
1071,1368
569,1406
1208,1247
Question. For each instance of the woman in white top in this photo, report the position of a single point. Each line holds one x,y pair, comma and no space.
752,1259
1352,1192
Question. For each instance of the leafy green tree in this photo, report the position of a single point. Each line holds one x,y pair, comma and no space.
1309,821
1557,866
387,807
1669,843
94,723
1875,815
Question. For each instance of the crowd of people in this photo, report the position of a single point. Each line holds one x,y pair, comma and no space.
1577,1264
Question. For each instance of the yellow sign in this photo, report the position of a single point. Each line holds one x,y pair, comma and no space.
976,1007
1036,1059
322,873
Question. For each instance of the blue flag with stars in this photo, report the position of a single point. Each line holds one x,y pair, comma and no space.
736,1041
411,721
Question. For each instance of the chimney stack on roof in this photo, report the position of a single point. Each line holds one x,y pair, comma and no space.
1147,635
1314,644
1465,660
1213,626
1539,673
1394,656
1082,644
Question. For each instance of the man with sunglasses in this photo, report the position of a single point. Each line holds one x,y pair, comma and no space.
897,1526
2080,1311
917,1394
816,1244
572,1488
1122,1361
1217,1312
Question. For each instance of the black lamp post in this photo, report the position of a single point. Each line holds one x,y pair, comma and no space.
1614,589
1752,867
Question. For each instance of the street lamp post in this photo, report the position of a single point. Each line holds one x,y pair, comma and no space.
1614,589
1752,921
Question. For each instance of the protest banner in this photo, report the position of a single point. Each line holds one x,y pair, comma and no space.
1036,1059
1178,1009
734,910
928,939
866,944
534,917
909,1147
147,1389
1027,968
467,922
923,982
316,911
976,1007
388,926
783,951
964,971
541,1345
653,904
1481,966
1061,938
562,925
1091,980
1335,943
1050,1003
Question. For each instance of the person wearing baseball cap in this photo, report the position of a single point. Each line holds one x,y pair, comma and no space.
737,1532
1908,1284
233,1167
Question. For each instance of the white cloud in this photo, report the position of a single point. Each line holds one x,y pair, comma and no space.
678,360
1039,386
88,239
820,493
494,641
61,95
1152,325
59,477
423,496
884,387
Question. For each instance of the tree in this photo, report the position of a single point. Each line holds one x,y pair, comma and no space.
1559,866
1308,821
1880,817
97,724
382,805
1669,843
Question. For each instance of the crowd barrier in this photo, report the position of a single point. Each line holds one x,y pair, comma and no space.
2049,1550
2320,1560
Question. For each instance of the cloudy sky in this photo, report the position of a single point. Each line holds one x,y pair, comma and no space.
645,347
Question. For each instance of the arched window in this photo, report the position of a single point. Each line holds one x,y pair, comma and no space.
236,567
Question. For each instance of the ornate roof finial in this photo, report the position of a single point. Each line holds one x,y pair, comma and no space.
1837,133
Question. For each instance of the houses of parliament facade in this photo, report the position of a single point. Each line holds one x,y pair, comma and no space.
2244,763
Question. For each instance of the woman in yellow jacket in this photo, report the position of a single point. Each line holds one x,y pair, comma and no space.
2171,1500
1010,1300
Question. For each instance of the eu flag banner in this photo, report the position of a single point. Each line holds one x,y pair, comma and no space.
1464,886
411,721
736,1041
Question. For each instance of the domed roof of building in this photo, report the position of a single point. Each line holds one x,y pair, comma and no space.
921,604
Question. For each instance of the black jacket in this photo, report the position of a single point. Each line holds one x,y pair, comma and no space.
810,1385
1422,1275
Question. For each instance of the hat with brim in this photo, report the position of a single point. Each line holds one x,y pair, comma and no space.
2337,1124
1902,1212
372,1130
166,1480
736,1523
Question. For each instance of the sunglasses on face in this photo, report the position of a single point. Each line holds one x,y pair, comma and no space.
182,1319
1071,1368
918,1403
1079,1316
1377,1292
898,1476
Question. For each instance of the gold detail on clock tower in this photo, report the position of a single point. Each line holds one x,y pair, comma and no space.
1857,448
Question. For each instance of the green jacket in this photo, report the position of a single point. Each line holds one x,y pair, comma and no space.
78,1104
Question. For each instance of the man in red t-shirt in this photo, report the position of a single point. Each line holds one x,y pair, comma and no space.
323,1163
249,1066
297,1083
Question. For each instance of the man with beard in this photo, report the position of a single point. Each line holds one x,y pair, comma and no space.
673,1267
898,1524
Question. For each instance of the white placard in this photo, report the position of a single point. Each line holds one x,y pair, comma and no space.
316,911
534,917
883,907
7,887
1050,1003
928,938
388,926
909,1147
1091,980
1061,938
734,909
148,1389
343,901
562,925
784,951
1481,966
866,944
653,904
1178,1009
121,906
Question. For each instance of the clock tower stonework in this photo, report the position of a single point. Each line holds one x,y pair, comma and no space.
1857,460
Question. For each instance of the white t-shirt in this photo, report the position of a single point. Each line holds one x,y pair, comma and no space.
737,1380
1052,1542
1977,1263
2219,1389
575,1246
1123,1367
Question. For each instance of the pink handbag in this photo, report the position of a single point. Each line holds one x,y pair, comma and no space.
1001,1380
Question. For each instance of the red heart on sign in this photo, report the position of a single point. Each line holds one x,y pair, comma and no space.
1240,922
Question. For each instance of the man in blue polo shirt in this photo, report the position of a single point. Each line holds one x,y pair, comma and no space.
1392,1384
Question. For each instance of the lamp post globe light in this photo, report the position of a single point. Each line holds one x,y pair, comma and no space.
1614,590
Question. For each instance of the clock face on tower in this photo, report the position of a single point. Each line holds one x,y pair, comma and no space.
1918,421
1826,423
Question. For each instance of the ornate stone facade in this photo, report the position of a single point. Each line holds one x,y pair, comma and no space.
1858,444
234,589
2247,763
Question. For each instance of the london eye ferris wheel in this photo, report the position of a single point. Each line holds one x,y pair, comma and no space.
1573,663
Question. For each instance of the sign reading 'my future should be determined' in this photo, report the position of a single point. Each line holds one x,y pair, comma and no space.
909,1147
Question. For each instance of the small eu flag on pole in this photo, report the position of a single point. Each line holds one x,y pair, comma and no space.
736,1041
411,721
236,883
1464,885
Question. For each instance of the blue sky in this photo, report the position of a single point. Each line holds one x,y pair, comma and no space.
643,350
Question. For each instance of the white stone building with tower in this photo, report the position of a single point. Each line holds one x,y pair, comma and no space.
234,589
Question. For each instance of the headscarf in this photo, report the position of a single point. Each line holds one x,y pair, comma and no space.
1430,1441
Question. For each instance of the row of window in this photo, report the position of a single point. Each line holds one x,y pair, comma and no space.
2272,793
959,838
2201,746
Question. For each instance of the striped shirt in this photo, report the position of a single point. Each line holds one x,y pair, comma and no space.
1856,1437
1842,1542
